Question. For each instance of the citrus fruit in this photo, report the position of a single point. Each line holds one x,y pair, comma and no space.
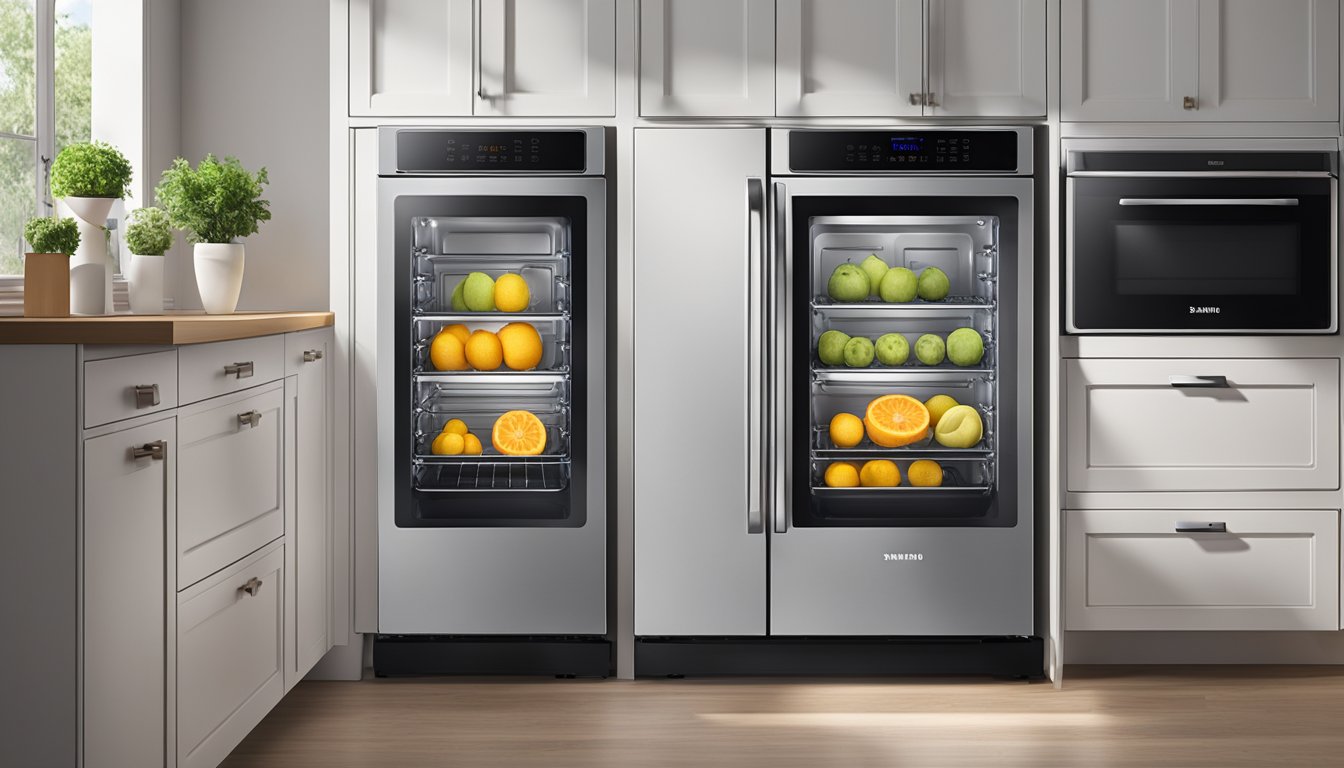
447,444
456,426
446,353
459,330
896,420
960,427
511,293
471,444
846,430
478,292
925,473
518,433
938,405
842,474
880,473
484,351
521,344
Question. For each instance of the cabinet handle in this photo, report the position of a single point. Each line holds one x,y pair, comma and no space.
1190,102
239,370
1184,527
155,450
1198,382
146,395
252,587
916,99
251,418
930,99
311,355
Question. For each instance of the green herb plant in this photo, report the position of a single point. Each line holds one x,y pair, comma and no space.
148,232
51,235
91,169
216,202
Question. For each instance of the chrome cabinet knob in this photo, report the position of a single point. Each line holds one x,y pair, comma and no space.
239,370
249,419
312,355
930,100
146,395
252,587
1190,102
155,450
916,99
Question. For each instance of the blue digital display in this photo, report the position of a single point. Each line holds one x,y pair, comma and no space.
907,145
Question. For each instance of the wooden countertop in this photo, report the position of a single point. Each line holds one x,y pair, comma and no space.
169,328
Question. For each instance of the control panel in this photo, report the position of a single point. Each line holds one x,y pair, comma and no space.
485,152
903,151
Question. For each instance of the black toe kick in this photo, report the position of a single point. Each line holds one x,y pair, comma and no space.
419,655
1006,657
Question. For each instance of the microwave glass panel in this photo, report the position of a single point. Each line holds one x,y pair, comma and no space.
1206,259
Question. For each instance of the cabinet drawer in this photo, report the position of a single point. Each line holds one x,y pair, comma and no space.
230,479
1270,570
1134,425
230,656
207,370
124,387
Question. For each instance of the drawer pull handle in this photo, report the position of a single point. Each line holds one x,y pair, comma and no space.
312,355
252,587
1187,527
249,419
146,395
1198,382
239,370
154,450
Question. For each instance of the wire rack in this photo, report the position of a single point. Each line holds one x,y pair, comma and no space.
493,476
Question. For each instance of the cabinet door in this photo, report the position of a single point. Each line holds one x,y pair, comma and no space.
1266,61
309,549
547,57
1128,60
707,58
986,58
128,500
849,58
410,57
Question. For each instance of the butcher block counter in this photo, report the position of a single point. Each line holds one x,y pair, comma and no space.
184,327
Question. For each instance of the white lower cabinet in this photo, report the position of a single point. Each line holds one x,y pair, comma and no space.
307,451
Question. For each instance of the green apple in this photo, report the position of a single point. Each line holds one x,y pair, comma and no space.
965,347
831,347
959,427
933,284
898,286
848,283
892,349
459,303
875,268
929,349
478,291
859,352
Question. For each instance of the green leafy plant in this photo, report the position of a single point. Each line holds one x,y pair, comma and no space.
148,232
51,235
90,169
217,202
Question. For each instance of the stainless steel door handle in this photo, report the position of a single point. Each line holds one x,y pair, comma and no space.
249,419
1184,381
1274,202
779,375
312,355
146,395
252,587
1187,527
155,450
239,370
755,352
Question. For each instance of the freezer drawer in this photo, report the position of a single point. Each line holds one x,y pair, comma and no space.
1159,570
1202,425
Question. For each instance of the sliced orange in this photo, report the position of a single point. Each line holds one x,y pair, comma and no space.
896,420
518,433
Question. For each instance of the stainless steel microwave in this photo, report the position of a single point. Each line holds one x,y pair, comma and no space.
1199,241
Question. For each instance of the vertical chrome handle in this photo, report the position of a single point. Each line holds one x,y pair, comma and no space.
311,355
155,450
239,370
252,587
779,373
755,352
250,419
146,395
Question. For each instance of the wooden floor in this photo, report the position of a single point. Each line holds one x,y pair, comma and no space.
1105,716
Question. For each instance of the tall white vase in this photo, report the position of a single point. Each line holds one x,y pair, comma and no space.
219,275
144,281
90,265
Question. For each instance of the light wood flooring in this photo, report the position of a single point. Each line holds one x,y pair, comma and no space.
1195,717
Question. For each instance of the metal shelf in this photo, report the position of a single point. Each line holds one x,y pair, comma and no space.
918,306
477,476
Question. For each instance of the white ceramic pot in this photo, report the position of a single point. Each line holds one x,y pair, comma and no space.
144,281
91,289
219,276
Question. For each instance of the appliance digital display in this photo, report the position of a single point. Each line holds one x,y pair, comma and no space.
915,145
454,151
939,151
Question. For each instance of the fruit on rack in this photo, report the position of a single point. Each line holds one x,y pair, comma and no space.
848,283
512,293
521,345
459,330
484,352
831,347
447,444
960,427
846,430
518,433
459,302
880,473
898,286
965,347
933,284
478,292
875,268
456,426
471,445
858,352
925,473
938,405
892,349
446,353
842,474
930,349
893,421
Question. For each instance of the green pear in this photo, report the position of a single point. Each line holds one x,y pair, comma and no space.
875,268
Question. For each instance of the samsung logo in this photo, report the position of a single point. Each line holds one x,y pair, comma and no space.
1205,310
903,556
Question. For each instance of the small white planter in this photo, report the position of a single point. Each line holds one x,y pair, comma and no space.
90,266
144,281
219,276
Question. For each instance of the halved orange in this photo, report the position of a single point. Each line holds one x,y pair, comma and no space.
518,433
896,420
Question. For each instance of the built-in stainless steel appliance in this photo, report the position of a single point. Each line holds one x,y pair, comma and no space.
479,550
765,565
1229,238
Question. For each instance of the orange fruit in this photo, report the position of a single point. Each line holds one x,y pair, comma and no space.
511,293
518,433
880,473
446,353
483,351
925,473
447,444
459,330
841,474
455,425
522,346
896,420
846,430
471,444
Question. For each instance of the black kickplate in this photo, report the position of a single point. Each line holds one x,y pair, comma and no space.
419,655
1009,657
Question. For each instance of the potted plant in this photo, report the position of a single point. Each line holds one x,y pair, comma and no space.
215,203
148,237
46,271
90,177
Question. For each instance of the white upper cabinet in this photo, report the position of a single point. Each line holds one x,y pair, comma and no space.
410,57
707,58
547,57
1128,59
986,57
851,58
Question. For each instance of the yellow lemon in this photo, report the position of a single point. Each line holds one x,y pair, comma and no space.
880,473
484,352
511,293
938,405
456,426
842,474
472,444
522,346
447,444
459,330
846,430
925,473
446,353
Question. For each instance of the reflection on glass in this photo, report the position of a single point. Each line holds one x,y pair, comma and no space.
18,113
74,59
18,194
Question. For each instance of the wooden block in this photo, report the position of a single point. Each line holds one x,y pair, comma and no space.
46,285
